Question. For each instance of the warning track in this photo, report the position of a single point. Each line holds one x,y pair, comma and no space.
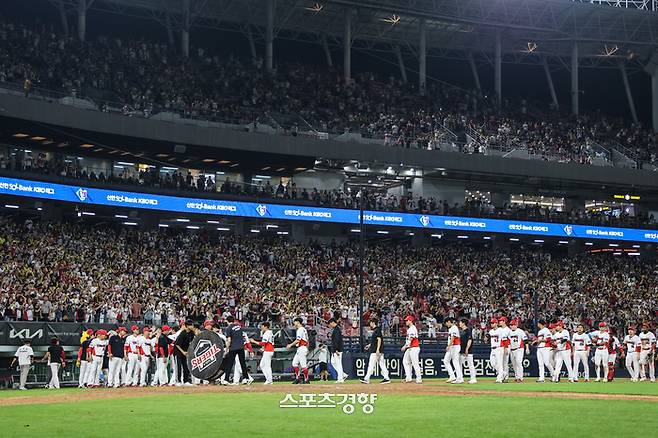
397,388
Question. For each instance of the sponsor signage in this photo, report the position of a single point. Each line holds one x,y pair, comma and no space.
115,198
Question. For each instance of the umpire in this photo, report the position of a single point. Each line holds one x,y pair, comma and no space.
235,340
336,350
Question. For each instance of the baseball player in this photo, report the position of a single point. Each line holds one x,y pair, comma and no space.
601,339
411,349
164,344
132,353
336,350
613,347
647,351
451,357
496,355
97,346
376,349
299,364
543,342
82,363
633,348
581,343
116,353
144,347
562,342
504,333
267,344
517,346
56,358
466,342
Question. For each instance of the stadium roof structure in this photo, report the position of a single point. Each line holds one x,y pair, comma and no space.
530,31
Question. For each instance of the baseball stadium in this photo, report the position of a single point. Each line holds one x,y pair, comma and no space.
414,218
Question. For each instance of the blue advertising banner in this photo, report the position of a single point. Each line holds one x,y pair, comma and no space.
115,198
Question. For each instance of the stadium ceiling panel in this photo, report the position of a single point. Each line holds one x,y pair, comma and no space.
531,31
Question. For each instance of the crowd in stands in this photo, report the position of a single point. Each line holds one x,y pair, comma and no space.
181,180
94,273
145,78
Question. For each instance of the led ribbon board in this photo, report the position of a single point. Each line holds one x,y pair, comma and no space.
178,204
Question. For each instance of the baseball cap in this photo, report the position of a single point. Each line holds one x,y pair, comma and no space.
514,322
503,318
90,332
602,324
134,327
166,328
631,327
208,322
494,321
101,332
560,323
551,326
122,329
409,318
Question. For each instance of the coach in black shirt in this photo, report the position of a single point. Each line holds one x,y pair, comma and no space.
181,345
115,355
376,349
336,350
466,343
235,340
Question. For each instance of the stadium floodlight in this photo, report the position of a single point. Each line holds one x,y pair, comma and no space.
125,163
589,243
130,223
513,239
616,253
163,225
438,236
11,206
223,229
614,245
382,232
462,237
636,246
268,226
563,242
192,227
88,213
182,220
282,233
539,241
253,230
635,254
213,222
121,216
355,230
487,237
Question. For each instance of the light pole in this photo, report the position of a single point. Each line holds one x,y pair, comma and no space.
362,237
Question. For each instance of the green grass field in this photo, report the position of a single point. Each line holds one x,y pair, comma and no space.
253,413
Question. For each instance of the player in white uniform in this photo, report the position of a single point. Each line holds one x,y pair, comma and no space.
299,364
132,351
173,379
632,349
145,348
504,333
97,347
451,358
562,342
647,351
517,345
601,339
411,348
581,343
267,343
496,355
543,341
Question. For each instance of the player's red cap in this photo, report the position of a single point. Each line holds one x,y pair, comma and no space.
122,329
602,324
494,321
166,328
134,327
631,327
551,326
90,332
560,323
409,318
514,322
101,332
503,318
208,322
